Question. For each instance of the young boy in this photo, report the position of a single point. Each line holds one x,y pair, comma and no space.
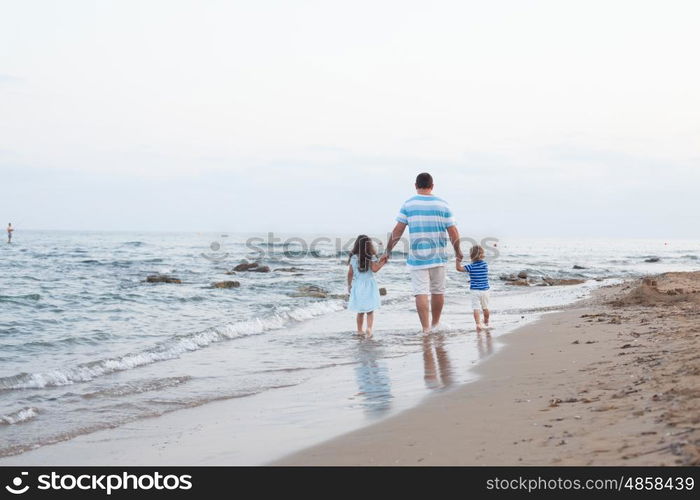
479,284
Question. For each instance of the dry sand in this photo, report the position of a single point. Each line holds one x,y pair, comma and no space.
613,381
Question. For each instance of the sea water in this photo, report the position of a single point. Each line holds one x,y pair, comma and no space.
87,344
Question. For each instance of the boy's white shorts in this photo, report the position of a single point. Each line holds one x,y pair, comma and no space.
428,281
480,299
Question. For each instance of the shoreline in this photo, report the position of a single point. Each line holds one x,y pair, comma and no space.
542,399
601,383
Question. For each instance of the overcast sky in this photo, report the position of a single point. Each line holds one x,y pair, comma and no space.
535,117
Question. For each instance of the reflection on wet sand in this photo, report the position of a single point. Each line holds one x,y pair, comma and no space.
436,362
484,344
372,375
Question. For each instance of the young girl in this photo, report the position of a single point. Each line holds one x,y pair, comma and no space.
479,285
362,287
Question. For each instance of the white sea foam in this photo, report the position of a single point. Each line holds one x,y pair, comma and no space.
170,349
19,416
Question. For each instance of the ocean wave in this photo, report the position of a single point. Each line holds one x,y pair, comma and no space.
169,349
19,416
691,257
166,407
294,369
138,387
193,298
94,338
395,299
121,263
297,253
14,298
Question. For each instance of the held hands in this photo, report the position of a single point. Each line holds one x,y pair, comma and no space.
383,259
458,260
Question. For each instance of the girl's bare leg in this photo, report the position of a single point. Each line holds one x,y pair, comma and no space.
477,319
487,313
370,322
360,320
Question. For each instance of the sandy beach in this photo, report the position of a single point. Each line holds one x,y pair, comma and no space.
610,380
614,380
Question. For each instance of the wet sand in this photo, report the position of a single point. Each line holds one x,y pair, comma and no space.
614,380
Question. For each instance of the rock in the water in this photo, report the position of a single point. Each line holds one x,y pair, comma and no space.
230,272
245,266
508,277
519,282
576,266
252,267
559,282
312,291
382,291
162,278
652,259
226,284
522,275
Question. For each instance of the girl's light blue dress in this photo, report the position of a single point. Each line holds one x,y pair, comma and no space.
364,294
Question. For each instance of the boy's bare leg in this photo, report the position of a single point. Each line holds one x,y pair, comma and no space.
423,312
360,320
486,317
477,319
370,323
437,301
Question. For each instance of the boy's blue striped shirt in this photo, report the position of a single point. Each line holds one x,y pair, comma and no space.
478,274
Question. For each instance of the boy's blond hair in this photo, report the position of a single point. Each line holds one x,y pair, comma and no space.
476,252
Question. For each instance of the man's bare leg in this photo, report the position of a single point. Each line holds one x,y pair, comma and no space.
423,312
486,317
436,303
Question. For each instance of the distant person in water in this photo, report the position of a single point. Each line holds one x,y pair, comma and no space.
478,285
9,232
362,287
430,223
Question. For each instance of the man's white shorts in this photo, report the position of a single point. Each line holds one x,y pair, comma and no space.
480,299
428,281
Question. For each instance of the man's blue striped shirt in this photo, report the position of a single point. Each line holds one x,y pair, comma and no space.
428,218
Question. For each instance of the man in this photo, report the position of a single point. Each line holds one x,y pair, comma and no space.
428,219
9,232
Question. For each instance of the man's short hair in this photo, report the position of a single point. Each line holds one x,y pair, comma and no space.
424,181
